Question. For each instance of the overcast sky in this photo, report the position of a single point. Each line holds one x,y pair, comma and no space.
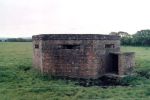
24,18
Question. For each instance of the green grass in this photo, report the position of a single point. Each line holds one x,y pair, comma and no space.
18,81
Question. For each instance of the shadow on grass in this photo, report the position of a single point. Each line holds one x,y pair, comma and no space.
103,81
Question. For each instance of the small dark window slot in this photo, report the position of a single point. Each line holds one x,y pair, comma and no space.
36,46
69,46
109,46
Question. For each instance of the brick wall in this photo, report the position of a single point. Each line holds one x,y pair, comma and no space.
37,55
69,58
126,63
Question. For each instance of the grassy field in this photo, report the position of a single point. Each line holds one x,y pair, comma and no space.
18,81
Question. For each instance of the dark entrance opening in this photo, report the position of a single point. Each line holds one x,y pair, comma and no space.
114,68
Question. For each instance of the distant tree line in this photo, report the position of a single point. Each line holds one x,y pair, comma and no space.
140,38
16,40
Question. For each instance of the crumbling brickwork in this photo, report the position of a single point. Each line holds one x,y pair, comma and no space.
79,55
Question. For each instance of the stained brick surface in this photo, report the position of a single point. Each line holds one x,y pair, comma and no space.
78,56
